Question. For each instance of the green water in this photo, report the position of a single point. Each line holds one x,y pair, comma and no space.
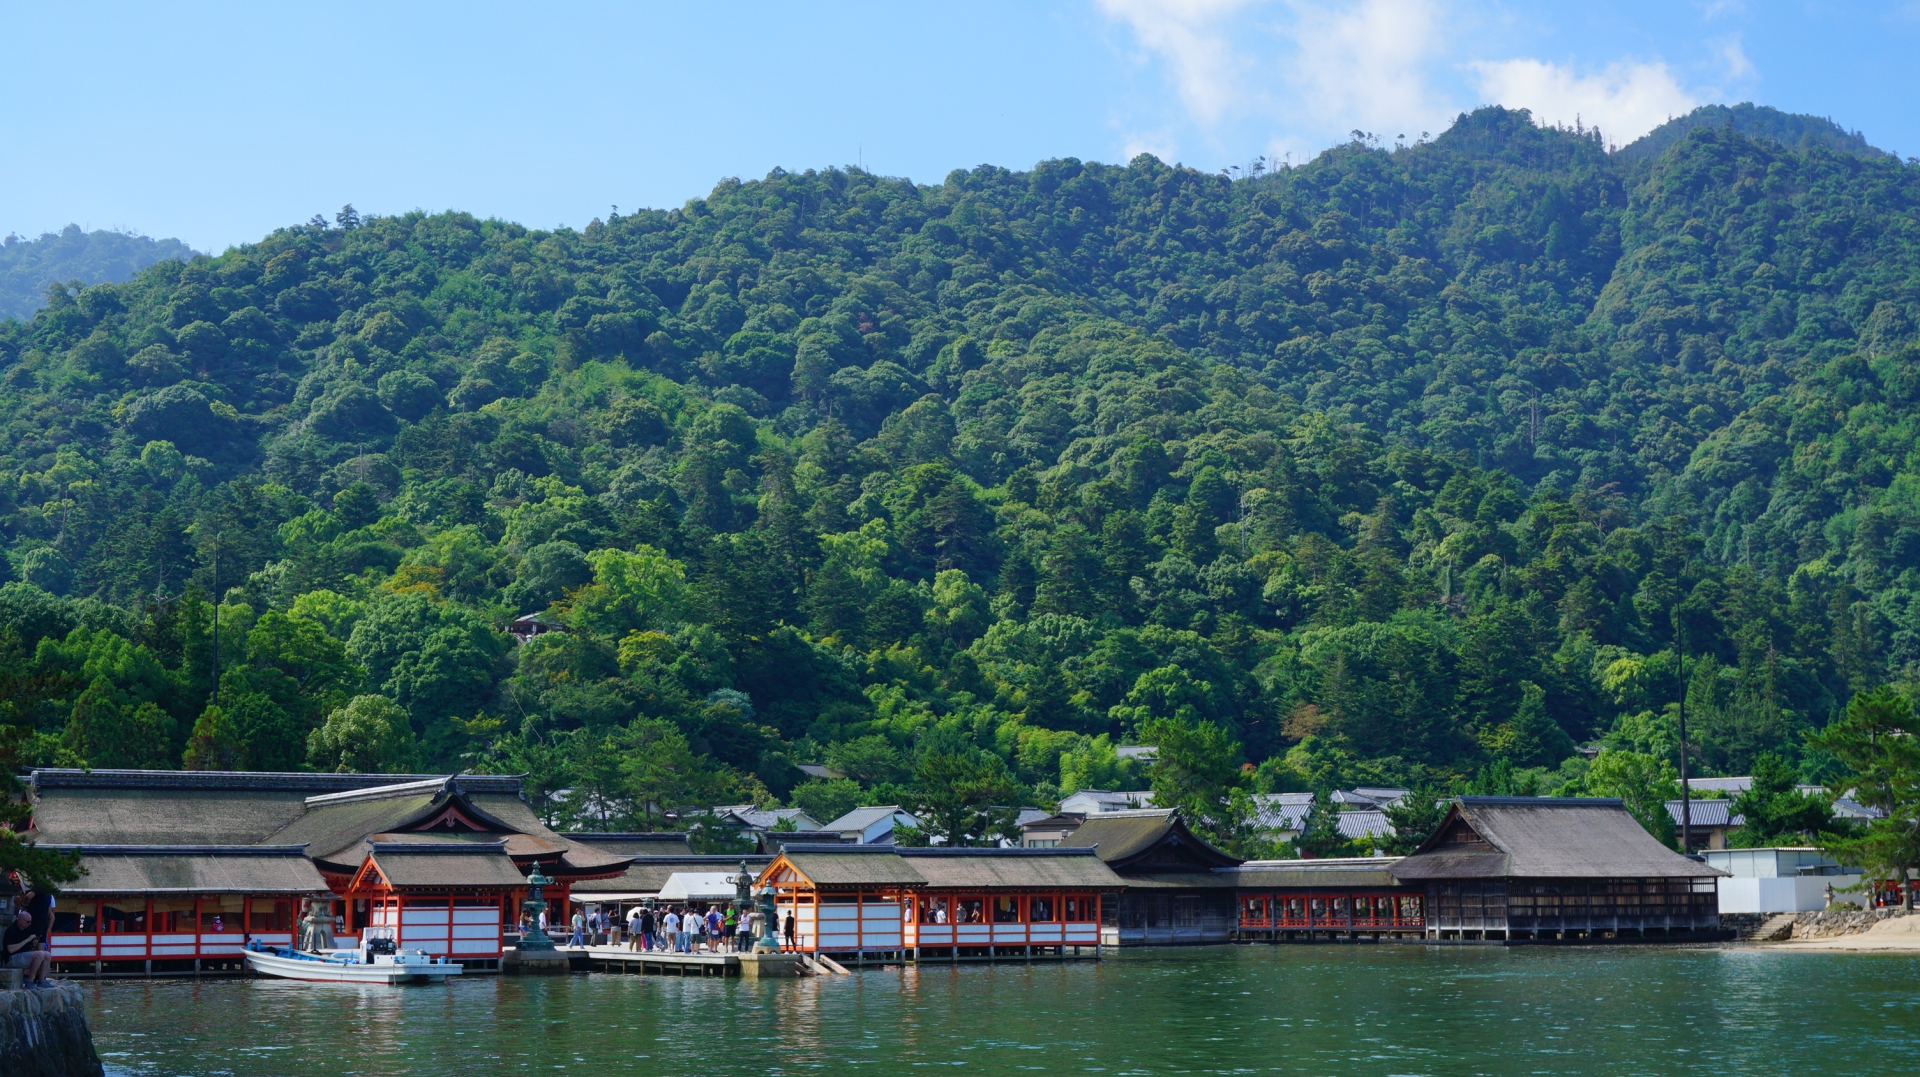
1347,1010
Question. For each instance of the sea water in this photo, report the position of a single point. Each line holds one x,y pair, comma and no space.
1351,1010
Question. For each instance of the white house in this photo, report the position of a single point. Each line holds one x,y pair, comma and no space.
1098,801
871,826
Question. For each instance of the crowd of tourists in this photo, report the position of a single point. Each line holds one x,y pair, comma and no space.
680,929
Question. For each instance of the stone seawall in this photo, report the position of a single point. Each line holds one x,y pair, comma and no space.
1844,920
44,1034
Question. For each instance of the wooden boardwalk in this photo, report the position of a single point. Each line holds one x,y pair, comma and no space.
656,962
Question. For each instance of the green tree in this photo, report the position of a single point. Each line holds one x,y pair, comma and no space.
1775,810
370,735
964,798
1196,768
1877,740
1643,782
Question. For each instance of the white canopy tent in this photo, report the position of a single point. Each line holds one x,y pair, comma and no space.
707,886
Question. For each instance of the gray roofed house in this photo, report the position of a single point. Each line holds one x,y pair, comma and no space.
1363,823
1100,801
748,817
871,825
1709,821
1281,816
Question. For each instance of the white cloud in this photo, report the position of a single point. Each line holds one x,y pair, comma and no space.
1192,36
1734,57
1625,100
1366,65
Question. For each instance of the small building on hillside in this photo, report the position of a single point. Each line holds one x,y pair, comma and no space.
1049,832
1281,816
870,826
1541,868
1099,801
1708,822
1173,893
751,819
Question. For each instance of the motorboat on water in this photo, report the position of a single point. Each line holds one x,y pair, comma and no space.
377,960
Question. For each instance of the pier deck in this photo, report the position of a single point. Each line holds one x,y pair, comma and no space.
656,962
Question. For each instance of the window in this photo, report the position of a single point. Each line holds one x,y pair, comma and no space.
172,915
271,915
972,911
1253,908
129,918
222,913
82,919
934,911
1006,910
1040,910
1079,908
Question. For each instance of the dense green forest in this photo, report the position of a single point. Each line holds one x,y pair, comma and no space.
29,266
1414,466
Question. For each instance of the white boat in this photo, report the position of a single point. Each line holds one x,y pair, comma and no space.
376,961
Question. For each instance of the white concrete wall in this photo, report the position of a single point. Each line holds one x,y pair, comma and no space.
1799,893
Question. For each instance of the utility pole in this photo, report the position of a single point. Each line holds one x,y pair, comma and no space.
216,618
1686,797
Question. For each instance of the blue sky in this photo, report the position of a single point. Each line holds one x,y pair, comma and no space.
216,123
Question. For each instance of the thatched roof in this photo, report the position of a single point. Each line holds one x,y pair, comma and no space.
851,865
448,865
194,869
1001,868
1146,842
1544,837
643,843
117,816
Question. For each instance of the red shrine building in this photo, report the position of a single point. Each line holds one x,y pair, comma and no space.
184,868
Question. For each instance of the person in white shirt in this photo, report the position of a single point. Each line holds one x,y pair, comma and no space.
670,929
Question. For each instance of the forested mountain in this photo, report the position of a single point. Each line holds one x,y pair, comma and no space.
1399,467
1755,121
29,266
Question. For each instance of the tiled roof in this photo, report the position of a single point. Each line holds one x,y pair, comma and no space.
1708,813
191,869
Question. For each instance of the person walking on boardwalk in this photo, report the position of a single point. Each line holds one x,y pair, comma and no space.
649,929
793,940
715,927
730,929
634,935
669,925
578,937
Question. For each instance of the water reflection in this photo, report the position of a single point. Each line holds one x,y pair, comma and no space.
1285,1010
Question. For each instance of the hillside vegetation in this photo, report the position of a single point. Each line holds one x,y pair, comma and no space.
29,266
1410,467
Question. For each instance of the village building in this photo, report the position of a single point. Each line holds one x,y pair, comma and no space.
184,868
1098,801
1173,893
932,904
1708,822
868,826
1539,868
1049,831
